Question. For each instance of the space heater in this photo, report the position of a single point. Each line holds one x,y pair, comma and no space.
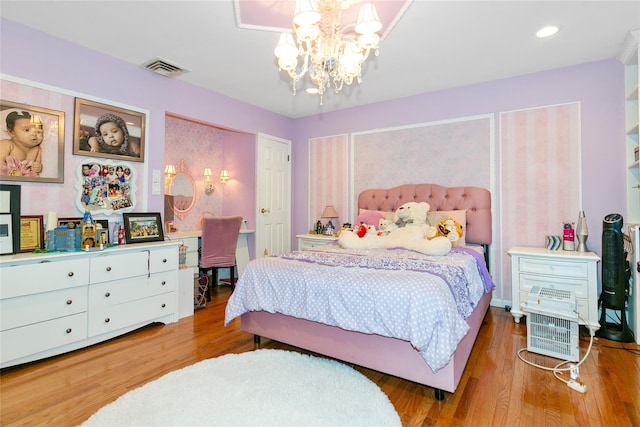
552,323
616,273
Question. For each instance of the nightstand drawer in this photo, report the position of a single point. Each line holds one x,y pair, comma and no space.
548,266
578,286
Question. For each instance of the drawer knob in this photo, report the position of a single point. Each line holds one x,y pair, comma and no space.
70,274
164,305
69,302
108,268
68,330
107,294
107,320
164,260
163,283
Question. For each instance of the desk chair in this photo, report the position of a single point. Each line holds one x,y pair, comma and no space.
218,247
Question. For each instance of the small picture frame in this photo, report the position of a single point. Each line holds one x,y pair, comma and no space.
6,234
31,233
102,237
93,119
143,227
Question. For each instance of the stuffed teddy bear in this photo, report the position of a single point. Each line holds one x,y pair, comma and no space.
412,213
448,228
412,236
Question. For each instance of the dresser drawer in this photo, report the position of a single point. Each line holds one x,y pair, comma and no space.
112,318
578,286
108,267
554,267
164,260
26,279
136,288
29,309
32,339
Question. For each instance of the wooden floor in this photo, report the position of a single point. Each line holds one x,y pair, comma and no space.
497,389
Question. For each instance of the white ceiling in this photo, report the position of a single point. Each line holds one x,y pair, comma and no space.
435,45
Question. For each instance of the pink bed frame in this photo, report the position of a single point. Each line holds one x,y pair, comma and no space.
389,355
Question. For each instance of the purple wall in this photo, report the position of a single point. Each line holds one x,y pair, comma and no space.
60,64
598,86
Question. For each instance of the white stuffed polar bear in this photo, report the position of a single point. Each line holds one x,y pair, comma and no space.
412,236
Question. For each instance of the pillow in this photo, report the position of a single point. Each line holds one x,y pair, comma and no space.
434,218
368,217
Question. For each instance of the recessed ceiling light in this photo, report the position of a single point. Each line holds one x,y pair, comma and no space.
547,31
312,90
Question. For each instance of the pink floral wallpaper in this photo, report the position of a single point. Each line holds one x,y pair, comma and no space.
451,153
199,146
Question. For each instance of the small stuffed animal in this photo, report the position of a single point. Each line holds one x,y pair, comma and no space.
364,229
385,226
448,228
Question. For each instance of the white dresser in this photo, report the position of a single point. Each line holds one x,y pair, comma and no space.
310,241
566,270
54,303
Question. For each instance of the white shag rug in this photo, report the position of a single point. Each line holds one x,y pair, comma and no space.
258,388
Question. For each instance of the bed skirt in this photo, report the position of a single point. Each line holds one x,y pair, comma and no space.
387,355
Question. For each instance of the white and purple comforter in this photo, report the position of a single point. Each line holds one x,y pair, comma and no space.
390,292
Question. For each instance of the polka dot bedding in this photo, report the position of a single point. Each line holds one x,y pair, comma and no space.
390,292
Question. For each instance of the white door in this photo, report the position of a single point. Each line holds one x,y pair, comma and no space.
273,224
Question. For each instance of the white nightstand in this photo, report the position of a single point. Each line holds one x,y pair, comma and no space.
566,270
308,241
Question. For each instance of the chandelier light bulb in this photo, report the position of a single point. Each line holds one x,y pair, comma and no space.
286,48
306,12
368,20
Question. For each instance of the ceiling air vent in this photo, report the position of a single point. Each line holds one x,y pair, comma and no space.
164,67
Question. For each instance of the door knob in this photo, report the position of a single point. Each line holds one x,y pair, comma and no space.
263,210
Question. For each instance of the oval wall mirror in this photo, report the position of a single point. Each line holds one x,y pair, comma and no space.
182,191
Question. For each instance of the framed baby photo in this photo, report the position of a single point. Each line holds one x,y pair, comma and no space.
142,227
101,130
31,143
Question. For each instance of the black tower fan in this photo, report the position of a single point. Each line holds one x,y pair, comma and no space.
615,280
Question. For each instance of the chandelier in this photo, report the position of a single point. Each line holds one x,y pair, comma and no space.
332,54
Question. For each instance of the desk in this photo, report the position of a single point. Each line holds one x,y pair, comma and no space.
190,239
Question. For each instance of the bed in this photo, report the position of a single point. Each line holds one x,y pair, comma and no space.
430,349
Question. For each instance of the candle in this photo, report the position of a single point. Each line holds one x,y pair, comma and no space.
52,221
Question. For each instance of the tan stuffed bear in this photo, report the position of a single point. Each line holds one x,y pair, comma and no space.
448,228
412,236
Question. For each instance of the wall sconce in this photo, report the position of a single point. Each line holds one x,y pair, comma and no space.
169,171
224,176
169,174
208,185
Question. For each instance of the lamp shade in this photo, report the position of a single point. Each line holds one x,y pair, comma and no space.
306,12
207,173
368,20
329,212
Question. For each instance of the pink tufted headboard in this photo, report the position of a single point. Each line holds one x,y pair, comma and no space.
475,200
